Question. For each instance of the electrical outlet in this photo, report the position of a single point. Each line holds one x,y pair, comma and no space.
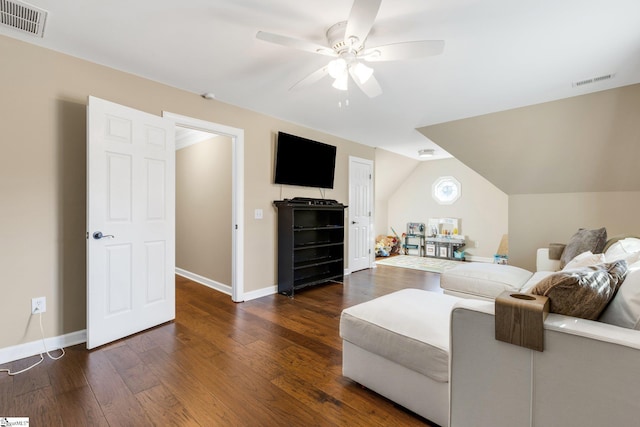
38,305
258,214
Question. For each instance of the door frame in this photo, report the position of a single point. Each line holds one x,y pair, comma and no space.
237,192
371,239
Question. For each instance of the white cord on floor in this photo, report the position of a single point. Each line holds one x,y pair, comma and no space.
44,344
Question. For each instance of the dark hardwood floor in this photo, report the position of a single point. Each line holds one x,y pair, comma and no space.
273,361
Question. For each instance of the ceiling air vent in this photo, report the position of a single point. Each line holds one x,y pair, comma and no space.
592,80
23,17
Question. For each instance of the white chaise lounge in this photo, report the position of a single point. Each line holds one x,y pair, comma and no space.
398,346
487,281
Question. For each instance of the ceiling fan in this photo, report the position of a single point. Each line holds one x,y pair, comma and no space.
346,45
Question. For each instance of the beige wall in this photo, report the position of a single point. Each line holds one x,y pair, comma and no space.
390,171
203,209
482,208
42,179
587,143
535,220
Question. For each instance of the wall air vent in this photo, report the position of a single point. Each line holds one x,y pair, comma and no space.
592,80
22,17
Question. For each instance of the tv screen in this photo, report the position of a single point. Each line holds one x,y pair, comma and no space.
303,162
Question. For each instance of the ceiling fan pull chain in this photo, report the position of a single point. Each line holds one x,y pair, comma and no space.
343,99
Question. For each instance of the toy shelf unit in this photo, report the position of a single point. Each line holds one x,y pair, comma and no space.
414,239
310,244
445,247
444,239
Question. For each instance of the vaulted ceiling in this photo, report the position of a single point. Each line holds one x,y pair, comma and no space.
498,55
588,143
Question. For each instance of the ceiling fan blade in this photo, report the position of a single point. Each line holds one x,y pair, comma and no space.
311,78
371,87
295,43
401,51
361,18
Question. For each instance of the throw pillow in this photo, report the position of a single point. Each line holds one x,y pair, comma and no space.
555,250
624,308
631,244
617,238
584,240
615,250
582,292
585,259
629,258
627,249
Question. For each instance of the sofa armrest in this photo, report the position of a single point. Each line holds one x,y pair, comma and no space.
594,330
543,263
552,387
485,373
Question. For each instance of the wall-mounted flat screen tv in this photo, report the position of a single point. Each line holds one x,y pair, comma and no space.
303,162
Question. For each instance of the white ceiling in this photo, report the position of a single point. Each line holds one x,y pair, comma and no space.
498,55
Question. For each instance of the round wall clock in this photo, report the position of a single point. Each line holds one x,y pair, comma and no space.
446,190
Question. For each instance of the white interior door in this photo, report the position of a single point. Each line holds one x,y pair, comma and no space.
360,214
131,202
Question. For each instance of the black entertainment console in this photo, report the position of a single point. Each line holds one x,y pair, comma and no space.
310,243
310,201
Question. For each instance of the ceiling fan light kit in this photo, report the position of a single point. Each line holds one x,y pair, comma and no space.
346,44
363,72
337,68
341,82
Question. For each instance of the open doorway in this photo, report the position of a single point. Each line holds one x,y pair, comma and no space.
209,204
203,207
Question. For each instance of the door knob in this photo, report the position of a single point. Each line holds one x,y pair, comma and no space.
98,235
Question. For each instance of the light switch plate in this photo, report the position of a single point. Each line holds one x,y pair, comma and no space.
258,214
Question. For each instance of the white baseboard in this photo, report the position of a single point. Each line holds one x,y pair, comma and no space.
226,289
269,290
221,287
478,259
21,351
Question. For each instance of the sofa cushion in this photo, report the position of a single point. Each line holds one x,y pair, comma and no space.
585,259
409,327
484,279
535,279
584,240
624,308
582,292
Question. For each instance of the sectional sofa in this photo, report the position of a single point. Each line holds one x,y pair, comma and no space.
437,355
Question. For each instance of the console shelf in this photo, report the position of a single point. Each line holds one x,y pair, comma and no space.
310,244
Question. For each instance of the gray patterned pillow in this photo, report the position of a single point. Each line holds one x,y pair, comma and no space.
584,240
582,292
